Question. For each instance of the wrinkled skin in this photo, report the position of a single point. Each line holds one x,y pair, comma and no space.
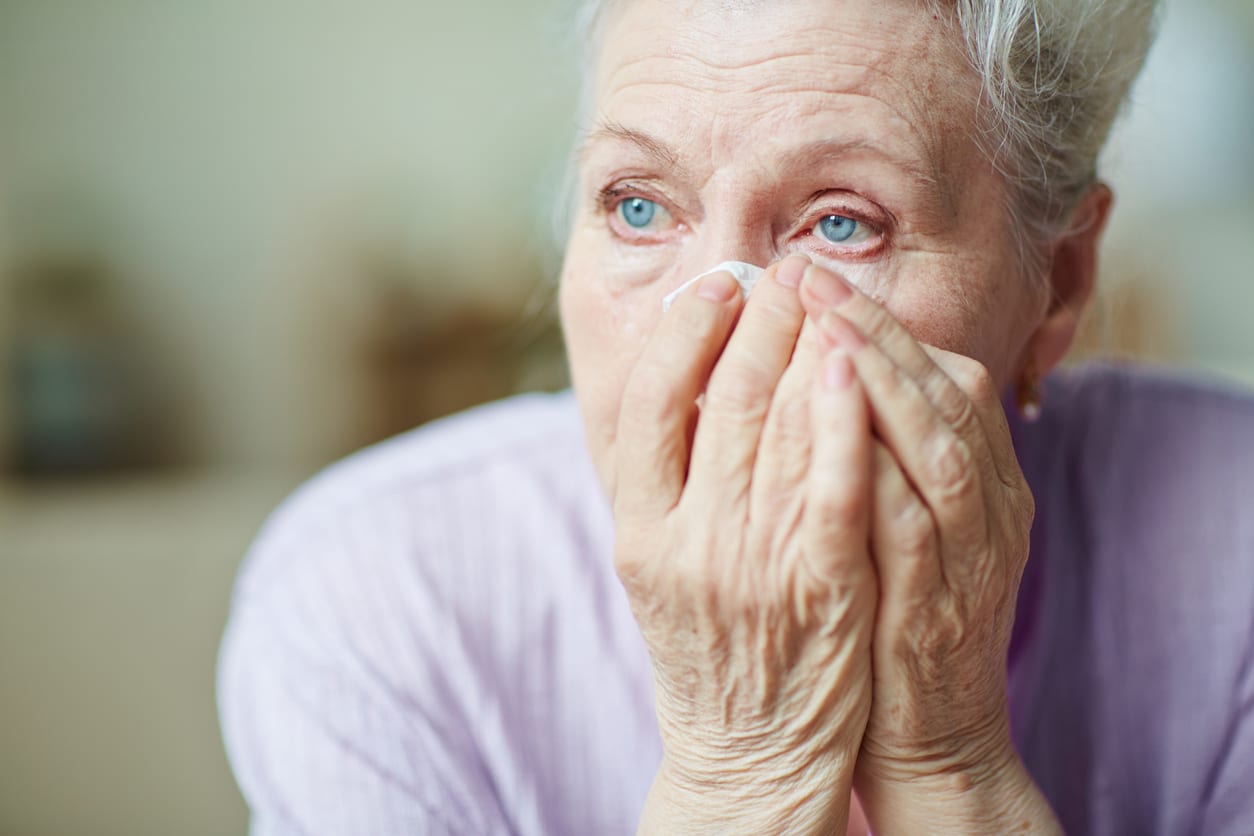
823,556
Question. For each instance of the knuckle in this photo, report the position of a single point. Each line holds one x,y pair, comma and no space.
938,639
688,578
691,318
913,529
633,567
651,397
838,508
738,390
962,415
983,387
1027,508
790,421
982,585
876,323
1013,481
657,570
975,379
952,402
950,468
775,305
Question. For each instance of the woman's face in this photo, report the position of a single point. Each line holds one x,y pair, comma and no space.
843,129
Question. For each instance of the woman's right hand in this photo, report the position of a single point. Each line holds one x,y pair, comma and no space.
741,539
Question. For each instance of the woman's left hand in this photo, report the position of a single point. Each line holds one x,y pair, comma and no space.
952,515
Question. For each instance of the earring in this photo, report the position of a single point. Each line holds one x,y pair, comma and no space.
1029,397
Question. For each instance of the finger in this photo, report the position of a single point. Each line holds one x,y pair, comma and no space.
974,379
824,291
904,541
936,460
783,458
744,380
659,399
838,486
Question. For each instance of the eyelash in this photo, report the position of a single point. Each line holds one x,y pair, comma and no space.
610,197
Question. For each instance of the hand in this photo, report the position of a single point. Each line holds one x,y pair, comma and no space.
742,540
952,515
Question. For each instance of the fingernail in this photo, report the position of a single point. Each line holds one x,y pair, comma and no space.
791,270
718,287
837,371
826,287
841,331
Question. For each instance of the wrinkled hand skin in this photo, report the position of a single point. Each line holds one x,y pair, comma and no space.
949,539
743,547
823,560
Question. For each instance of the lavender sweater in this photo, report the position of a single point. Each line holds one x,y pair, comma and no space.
429,637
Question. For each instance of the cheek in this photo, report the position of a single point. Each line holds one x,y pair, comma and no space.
605,331
980,319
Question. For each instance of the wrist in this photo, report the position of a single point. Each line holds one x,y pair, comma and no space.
754,796
992,795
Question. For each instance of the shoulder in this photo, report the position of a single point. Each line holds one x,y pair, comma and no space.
370,616
1151,462
1150,395
527,435
444,487
348,678
1143,479
1148,432
374,565
406,629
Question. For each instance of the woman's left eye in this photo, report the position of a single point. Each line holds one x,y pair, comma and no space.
841,229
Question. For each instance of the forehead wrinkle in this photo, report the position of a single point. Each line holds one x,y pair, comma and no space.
717,79
805,157
694,63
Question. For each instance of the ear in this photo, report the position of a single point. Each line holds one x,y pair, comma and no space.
1072,276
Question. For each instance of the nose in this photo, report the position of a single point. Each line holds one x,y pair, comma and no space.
728,233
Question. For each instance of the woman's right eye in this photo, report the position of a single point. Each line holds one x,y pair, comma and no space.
637,212
638,218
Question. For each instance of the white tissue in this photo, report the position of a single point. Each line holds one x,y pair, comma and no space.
746,275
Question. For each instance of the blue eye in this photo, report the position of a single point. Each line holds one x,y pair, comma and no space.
637,212
837,228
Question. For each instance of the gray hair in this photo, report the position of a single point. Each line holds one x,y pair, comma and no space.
1055,75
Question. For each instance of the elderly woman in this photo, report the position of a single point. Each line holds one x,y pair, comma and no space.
783,563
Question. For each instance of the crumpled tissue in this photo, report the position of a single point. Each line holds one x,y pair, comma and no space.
746,275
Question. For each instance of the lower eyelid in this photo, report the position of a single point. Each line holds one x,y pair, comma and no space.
864,250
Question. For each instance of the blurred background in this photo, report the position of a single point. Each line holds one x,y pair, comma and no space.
241,239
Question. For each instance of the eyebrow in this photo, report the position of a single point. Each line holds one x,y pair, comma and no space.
650,145
823,150
926,172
